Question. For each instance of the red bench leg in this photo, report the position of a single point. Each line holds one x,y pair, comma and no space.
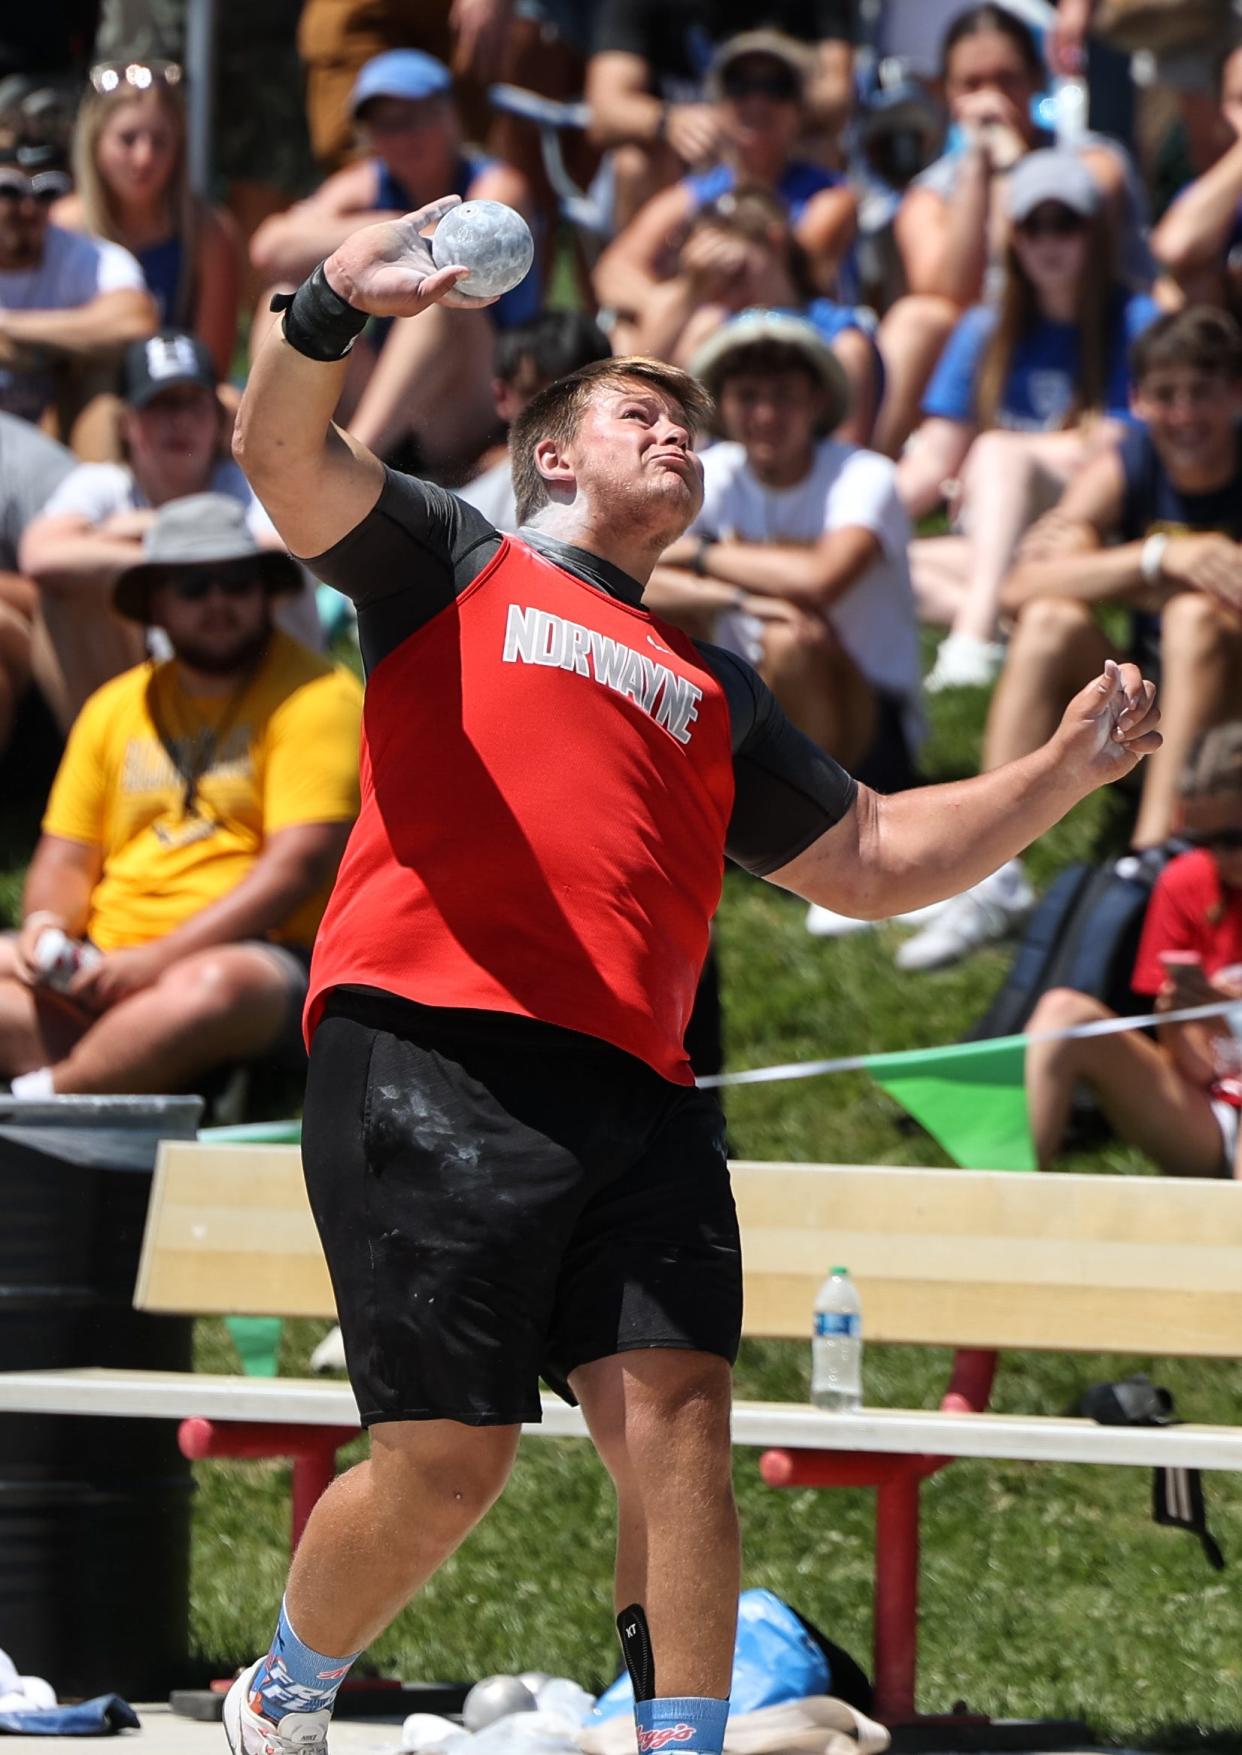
896,1595
311,1450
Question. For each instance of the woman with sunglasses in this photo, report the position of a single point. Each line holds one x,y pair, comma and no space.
951,228
757,83
132,186
1176,1098
1026,392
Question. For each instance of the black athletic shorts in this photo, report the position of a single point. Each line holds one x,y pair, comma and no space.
501,1200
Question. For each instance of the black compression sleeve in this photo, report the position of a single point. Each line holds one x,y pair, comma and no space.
787,792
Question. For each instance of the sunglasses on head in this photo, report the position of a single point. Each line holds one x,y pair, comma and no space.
780,87
44,187
196,587
110,76
1218,840
1052,222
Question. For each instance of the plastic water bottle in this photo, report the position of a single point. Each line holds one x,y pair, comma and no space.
58,957
836,1345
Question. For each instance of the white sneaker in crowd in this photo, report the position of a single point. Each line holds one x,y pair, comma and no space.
964,662
329,1355
989,911
249,1733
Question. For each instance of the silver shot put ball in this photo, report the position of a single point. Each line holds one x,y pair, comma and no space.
495,1696
491,240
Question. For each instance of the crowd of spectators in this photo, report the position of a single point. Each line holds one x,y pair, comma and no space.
962,280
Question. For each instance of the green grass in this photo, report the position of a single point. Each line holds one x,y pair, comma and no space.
1046,1590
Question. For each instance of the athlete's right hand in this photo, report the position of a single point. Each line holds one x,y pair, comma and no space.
387,269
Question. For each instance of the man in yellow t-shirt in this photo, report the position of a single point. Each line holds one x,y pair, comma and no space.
192,834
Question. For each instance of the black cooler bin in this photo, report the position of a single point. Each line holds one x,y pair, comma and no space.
94,1512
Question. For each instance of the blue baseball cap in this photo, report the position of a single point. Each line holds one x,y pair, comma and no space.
400,73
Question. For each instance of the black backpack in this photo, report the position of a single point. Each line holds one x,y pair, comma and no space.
1084,934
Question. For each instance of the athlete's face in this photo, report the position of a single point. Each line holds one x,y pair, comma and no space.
633,459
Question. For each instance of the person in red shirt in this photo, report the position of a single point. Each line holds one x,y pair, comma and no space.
512,1171
1176,1098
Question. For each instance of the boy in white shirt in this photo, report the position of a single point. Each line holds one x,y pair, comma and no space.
798,560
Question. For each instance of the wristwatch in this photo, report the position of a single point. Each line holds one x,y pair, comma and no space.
1151,557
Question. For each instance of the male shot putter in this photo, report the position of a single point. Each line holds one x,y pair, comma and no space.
493,241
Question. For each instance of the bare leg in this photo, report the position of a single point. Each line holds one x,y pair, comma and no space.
219,1005
857,356
638,173
660,1421
820,687
1201,674
79,643
1009,480
938,570
15,643
1055,650
910,338
35,1028
381,1530
1147,1101
433,378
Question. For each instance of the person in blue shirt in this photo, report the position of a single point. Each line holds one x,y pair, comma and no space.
757,83
403,108
1025,392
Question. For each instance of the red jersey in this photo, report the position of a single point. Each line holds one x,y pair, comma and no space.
547,782
1190,910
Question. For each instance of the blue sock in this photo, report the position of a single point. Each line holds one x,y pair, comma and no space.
293,1678
696,1725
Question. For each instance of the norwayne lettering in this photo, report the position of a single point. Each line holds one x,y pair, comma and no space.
534,636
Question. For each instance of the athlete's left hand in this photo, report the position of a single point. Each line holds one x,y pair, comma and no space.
1108,727
387,269
116,976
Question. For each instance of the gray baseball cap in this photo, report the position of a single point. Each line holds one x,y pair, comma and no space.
756,327
1052,176
190,535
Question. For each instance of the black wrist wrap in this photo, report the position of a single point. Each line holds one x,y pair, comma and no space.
317,321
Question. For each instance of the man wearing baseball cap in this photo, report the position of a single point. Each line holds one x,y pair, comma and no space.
172,436
192,833
403,108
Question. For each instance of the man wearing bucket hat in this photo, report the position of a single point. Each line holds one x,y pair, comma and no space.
403,109
797,560
192,833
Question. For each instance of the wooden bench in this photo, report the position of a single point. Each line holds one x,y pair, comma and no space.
972,1260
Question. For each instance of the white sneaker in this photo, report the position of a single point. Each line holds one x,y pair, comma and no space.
823,923
249,1733
329,1355
964,662
982,915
